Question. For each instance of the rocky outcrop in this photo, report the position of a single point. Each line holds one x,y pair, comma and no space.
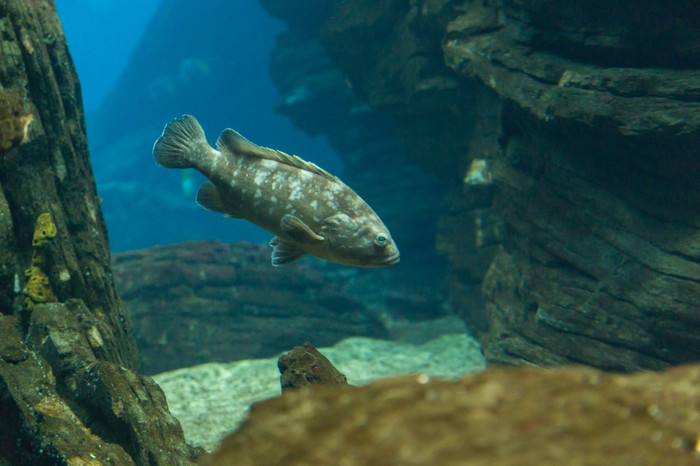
587,118
597,179
305,365
572,416
203,301
69,390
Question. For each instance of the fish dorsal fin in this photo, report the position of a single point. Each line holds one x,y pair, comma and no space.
232,142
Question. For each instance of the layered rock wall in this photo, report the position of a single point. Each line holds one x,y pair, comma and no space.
587,117
596,179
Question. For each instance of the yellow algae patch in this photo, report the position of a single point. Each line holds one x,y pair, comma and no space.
14,122
44,230
38,288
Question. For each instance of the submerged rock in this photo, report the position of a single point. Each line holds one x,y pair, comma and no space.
305,365
597,179
203,301
514,416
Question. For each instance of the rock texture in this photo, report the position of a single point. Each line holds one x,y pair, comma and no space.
203,301
571,416
597,179
305,365
587,119
69,393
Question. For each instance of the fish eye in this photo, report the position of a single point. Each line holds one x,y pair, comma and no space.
380,239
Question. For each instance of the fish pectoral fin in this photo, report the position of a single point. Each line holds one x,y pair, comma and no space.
298,230
210,198
284,252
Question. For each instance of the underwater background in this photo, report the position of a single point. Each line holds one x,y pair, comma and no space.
219,73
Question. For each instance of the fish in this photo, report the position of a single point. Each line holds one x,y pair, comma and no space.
309,210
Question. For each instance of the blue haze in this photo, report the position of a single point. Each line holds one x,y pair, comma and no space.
102,36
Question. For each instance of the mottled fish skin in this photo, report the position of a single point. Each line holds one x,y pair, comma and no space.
308,209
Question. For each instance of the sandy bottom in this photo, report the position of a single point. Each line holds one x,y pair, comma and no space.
212,399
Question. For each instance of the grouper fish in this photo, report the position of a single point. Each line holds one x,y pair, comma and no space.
309,210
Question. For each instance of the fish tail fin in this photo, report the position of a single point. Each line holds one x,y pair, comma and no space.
181,141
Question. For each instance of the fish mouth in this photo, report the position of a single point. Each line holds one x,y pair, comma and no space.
388,261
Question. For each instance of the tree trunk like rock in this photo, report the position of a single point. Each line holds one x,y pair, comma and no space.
597,179
69,392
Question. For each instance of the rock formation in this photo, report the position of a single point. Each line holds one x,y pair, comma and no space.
69,393
584,119
575,415
202,301
305,365
597,179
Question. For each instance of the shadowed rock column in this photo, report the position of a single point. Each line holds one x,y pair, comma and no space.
597,179
68,390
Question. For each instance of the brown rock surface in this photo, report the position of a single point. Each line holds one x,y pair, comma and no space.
51,172
69,393
202,301
305,365
512,416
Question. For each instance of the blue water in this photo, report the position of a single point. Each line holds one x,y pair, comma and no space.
101,35
143,204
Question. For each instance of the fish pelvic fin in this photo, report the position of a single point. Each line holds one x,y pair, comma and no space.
284,252
232,142
298,230
210,198
181,141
